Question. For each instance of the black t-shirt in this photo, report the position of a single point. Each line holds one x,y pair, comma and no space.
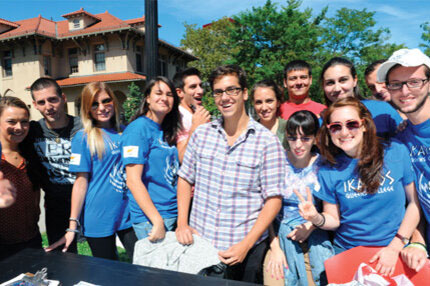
48,152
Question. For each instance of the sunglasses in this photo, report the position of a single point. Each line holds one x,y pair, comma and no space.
295,138
351,125
105,101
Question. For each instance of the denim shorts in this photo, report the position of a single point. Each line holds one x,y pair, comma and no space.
143,229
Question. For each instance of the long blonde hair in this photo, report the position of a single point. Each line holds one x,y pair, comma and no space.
95,135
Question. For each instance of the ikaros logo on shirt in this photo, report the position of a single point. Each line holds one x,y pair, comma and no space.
352,186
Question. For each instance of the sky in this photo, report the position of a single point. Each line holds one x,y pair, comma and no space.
403,18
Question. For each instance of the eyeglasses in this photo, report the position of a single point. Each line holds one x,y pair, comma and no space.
295,138
411,83
229,91
351,125
105,101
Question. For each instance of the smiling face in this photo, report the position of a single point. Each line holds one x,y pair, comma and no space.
348,139
298,83
338,82
230,106
102,109
192,92
300,146
14,124
409,100
50,105
160,101
378,89
266,104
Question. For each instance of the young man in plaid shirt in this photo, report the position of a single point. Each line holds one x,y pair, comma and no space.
238,169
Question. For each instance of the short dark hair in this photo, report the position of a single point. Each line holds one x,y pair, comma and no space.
228,70
45,82
372,66
297,65
179,77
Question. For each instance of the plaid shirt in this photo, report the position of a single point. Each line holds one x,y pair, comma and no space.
231,182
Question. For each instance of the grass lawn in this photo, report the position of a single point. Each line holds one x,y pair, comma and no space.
84,249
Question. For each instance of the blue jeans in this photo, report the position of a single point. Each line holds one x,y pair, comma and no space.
320,249
143,229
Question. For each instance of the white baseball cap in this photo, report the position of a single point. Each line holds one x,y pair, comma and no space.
404,57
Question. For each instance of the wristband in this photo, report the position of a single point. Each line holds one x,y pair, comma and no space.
72,230
321,223
76,220
419,246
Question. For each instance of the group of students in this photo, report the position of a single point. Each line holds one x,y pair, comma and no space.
342,171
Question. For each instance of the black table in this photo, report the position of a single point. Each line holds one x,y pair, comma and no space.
71,268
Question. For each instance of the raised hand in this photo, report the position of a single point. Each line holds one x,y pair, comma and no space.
306,207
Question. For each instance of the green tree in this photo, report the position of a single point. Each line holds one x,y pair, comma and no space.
266,38
425,36
352,34
209,44
132,103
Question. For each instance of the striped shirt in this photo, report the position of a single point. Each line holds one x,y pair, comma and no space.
231,182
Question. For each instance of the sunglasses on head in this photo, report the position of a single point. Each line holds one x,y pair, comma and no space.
351,125
105,101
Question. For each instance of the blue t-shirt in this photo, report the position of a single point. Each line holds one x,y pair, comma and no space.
298,179
417,139
143,143
105,209
386,118
367,219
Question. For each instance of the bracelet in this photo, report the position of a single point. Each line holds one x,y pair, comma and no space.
417,245
321,223
72,230
76,220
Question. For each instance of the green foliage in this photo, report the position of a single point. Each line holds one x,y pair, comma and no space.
264,39
351,33
209,44
132,103
425,36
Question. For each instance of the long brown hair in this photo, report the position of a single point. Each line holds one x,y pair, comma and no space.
172,122
371,158
95,134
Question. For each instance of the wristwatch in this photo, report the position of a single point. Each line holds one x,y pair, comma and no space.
402,238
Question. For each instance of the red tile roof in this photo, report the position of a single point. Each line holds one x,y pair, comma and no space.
107,22
60,30
8,23
113,77
135,21
80,12
38,25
